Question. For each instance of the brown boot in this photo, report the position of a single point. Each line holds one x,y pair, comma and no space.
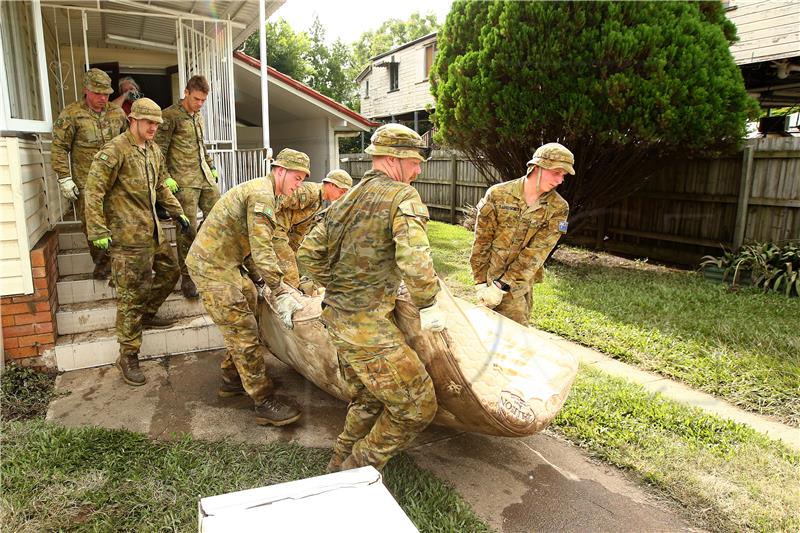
350,463
335,464
229,390
273,412
188,288
153,322
128,364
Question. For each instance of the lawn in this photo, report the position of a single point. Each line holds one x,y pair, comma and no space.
742,346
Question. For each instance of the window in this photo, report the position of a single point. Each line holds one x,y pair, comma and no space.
24,99
430,55
394,75
366,88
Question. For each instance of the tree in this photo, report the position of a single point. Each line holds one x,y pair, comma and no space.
391,33
287,51
330,66
622,84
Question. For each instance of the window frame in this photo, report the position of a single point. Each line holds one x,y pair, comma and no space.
394,67
7,122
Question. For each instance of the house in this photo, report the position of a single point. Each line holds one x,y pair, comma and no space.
49,303
395,87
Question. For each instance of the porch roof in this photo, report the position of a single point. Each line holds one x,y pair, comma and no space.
148,23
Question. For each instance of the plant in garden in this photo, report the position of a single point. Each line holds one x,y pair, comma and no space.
622,84
771,266
25,393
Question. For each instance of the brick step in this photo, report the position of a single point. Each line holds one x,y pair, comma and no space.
90,316
78,261
79,288
100,347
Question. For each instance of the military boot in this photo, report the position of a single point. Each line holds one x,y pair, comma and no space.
350,463
128,364
188,288
229,390
153,322
101,271
335,464
273,412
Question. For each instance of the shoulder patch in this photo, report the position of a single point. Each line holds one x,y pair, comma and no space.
264,210
104,156
413,208
562,226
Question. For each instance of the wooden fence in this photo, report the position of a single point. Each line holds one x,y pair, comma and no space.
689,208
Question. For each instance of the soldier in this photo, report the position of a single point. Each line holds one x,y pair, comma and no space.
298,214
368,241
193,177
238,231
126,178
518,224
79,132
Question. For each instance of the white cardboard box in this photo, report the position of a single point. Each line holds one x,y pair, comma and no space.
351,501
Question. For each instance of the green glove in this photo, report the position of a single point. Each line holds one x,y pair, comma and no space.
103,243
215,173
171,184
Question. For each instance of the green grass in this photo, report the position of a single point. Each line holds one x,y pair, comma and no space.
726,476
741,346
94,479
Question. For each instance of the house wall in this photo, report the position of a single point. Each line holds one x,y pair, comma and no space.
310,136
24,216
767,29
414,92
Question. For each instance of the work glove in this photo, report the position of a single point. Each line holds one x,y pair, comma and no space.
103,243
489,295
186,226
215,175
306,286
68,188
171,184
432,318
285,306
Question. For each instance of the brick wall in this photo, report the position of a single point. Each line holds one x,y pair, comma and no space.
29,320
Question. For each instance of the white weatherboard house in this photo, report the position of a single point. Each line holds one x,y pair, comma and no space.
53,313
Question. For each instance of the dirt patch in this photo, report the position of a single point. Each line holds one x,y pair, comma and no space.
575,257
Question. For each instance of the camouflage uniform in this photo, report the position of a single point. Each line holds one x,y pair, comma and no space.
239,232
296,215
78,134
180,138
513,239
124,183
367,242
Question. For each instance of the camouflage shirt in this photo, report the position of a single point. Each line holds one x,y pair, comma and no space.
512,240
124,183
180,138
240,225
297,213
79,132
368,241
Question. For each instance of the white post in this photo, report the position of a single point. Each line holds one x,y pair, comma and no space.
85,22
262,38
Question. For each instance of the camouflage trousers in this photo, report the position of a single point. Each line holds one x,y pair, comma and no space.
393,398
191,199
100,257
144,277
517,306
233,310
287,259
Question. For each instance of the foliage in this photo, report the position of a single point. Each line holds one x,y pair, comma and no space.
772,267
623,84
330,71
25,393
390,34
93,479
287,51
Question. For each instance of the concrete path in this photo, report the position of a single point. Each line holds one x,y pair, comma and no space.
677,391
538,483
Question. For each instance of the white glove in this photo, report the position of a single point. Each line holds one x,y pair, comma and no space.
432,318
285,306
489,295
68,188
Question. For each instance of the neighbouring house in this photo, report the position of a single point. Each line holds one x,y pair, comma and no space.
53,314
395,87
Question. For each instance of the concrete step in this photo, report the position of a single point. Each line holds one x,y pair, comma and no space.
74,240
100,347
91,316
79,288
78,261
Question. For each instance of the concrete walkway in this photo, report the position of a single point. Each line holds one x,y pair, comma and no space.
539,483
677,391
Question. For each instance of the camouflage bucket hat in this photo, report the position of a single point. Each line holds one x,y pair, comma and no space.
97,81
146,109
293,160
340,178
398,141
553,155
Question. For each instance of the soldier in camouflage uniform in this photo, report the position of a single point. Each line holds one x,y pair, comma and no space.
518,224
126,178
298,213
367,242
78,133
238,233
193,176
